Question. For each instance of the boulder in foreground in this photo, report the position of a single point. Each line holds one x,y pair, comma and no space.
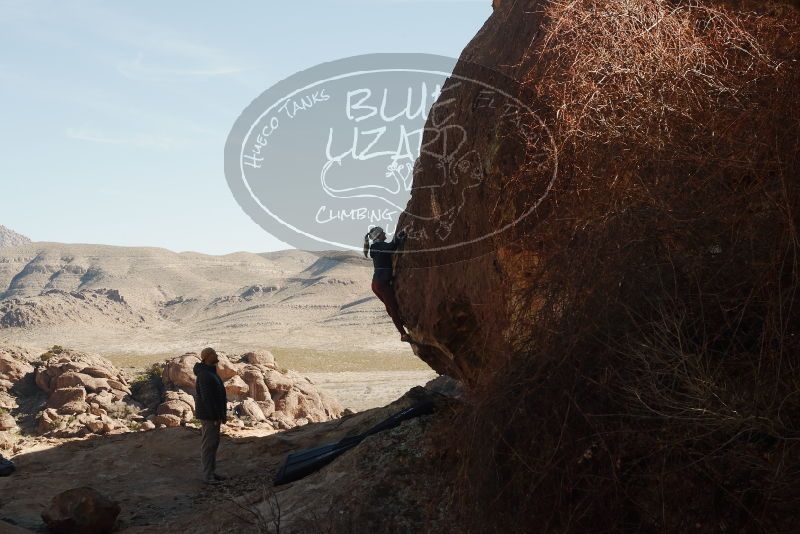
83,510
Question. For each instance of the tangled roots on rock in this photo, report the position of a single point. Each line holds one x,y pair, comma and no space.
656,383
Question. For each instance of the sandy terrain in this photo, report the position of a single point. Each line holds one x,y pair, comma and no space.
369,389
154,476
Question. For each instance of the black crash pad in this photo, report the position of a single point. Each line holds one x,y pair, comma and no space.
6,467
302,463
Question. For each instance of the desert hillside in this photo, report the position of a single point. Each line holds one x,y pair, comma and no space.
10,238
118,300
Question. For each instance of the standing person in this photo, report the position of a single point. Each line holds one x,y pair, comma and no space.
382,281
211,410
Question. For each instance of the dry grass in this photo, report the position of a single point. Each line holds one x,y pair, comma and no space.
657,386
303,360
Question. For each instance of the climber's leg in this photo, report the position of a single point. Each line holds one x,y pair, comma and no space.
385,292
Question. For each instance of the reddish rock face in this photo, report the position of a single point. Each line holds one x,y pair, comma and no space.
453,280
496,195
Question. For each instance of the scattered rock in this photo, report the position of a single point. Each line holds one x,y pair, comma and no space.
250,408
267,407
168,420
7,421
178,408
82,510
47,421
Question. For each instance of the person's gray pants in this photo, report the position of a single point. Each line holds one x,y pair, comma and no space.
208,448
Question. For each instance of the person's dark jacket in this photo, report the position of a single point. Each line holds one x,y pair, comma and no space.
381,253
211,403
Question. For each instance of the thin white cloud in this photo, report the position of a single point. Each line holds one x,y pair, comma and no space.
149,141
140,70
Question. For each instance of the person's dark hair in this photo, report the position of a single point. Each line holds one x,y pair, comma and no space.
366,245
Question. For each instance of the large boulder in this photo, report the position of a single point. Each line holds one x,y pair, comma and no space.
607,260
307,403
12,367
168,420
261,358
254,378
236,388
180,396
63,396
225,368
83,510
99,372
89,383
179,371
277,381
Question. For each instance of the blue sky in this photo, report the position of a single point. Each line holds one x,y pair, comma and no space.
114,115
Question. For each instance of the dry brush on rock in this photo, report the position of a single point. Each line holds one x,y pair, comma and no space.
630,345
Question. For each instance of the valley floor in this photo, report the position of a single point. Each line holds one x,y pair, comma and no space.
154,476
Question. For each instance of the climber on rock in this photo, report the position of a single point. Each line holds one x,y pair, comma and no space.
382,281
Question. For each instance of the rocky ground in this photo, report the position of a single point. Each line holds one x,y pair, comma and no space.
73,420
154,478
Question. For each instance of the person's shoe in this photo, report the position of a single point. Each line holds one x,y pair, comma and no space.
211,482
219,478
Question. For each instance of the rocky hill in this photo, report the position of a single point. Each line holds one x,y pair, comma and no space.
10,238
109,300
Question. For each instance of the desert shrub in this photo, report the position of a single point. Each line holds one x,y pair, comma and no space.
655,385
151,373
55,350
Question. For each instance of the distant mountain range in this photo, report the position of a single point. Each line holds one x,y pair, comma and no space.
122,300
10,238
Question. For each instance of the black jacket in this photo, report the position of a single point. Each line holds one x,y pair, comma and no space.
381,253
211,404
